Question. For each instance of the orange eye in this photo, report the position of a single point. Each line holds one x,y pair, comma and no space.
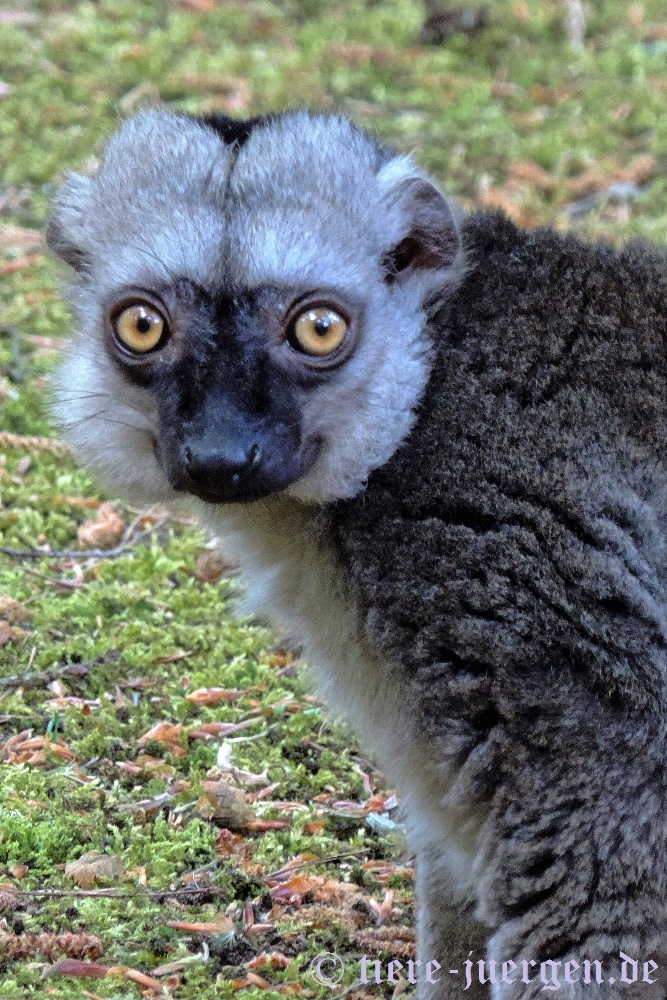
319,331
139,328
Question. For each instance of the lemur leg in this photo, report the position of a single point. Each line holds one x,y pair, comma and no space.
446,932
573,869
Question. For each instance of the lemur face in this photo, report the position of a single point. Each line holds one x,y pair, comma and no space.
231,371
250,304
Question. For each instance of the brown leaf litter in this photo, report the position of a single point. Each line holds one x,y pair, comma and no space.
90,868
104,531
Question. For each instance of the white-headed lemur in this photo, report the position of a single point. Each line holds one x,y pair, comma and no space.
437,451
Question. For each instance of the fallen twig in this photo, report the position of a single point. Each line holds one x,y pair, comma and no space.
152,894
44,677
288,869
126,544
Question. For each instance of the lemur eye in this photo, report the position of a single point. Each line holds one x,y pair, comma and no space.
318,331
139,328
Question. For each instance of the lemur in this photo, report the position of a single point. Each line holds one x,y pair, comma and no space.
436,446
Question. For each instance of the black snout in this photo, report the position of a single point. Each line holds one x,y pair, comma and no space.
219,470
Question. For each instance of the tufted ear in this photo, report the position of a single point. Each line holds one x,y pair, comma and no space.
430,240
66,228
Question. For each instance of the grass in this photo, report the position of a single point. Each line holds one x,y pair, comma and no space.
108,649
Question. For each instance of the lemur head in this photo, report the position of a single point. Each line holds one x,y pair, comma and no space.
251,305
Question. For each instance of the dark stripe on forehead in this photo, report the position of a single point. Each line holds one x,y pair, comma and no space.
234,131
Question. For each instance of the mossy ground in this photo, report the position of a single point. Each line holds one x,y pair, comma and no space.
510,117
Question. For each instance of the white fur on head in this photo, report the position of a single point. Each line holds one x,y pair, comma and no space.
307,201
152,213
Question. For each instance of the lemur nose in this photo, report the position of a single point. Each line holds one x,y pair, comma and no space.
215,468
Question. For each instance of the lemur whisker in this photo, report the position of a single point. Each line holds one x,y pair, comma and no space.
70,425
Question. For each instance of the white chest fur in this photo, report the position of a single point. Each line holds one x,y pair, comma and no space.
291,576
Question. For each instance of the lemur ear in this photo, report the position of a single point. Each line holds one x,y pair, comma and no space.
431,240
65,230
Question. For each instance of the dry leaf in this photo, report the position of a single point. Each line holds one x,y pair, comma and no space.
211,566
105,531
75,967
140,874
291,893
10,633
250,980
209,729
87,503
532,174
129,767
93,866
225,803
213,696
315,827
167,733
375,804
228,844
271,960
140,978
221,925
263,825
262,793
23,748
